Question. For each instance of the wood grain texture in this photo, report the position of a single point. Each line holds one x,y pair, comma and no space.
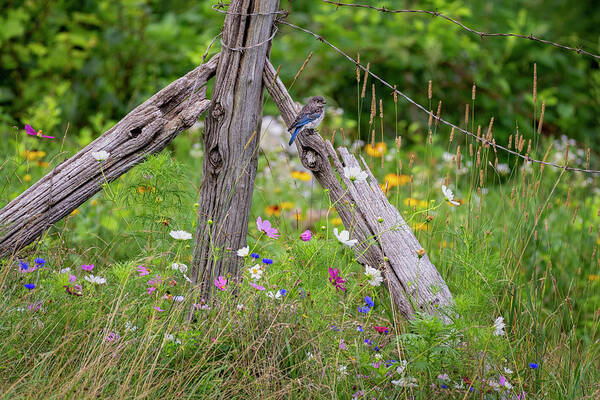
231,143
145,130
385,240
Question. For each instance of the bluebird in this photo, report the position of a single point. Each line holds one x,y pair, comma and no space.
309,117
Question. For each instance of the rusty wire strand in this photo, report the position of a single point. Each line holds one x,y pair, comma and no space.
429,113
577,50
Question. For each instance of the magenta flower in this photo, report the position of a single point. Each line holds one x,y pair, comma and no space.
381,329
306,235
72,278
142,270
336,279
221,283
157,308
265,226
151,289
87,268
157,280
255,286
32,132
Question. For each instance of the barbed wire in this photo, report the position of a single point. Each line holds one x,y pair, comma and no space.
254,45
224,5
577,50
430,113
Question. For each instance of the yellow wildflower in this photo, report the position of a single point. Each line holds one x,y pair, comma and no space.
385,188
594,277
43,164
75,211
286,205
301,175
396,180
146,189
94,202
421,226
336,221
27,178
377,151
273,210
32,155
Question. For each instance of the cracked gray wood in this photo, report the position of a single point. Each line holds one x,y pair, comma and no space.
385,240
145,130
231,143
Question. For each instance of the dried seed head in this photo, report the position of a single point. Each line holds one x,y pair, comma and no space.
452,135
373,138
358,68
489,131
541,123
587,158
373,105
411,161
342,133
430,137
400,165
395,95
481,177
429,91
333,137
478,131
529,147
510,141
471,149
430,118
365,79
568,198
458,157
478,157
473,92
567,153
303,65
534,82
437,115
380,108
467,114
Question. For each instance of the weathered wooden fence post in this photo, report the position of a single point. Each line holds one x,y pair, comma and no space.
231,141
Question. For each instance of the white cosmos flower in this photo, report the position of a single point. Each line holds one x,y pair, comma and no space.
508,370
342,369
256,272
276,295
178,299
344,237
355,174
180,235
401,367
171,338
65,270
374,275
95,279
100,155
449,195
499,326
244,251
180,267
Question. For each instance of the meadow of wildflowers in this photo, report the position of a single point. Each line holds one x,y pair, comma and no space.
104,306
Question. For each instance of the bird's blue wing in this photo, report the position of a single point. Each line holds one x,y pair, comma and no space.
304,119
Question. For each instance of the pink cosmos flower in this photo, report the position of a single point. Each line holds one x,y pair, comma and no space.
381,329
336,279
265,226
32,132
157,308
142,270
257,287
87,268
151,289
221,283
306,235
72,278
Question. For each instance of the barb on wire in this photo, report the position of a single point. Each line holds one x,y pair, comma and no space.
431,114
254,45
222,6
577,50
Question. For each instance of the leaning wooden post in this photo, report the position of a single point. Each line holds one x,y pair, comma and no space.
145,130
231,141
385,240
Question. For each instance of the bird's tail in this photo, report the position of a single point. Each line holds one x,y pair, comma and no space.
298,129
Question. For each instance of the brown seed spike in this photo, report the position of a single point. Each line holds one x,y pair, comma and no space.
467,114
303,65
510,141
587,158
458,157
381,108
534,83
358,68
473,92
430,118
452,135
429,91
541,123
437,115
365,79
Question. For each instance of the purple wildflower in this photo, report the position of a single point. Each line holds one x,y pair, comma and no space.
87,268
255,286
336,279
221,283
265,226
306,235
29,286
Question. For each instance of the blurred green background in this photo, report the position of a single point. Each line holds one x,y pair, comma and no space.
87,63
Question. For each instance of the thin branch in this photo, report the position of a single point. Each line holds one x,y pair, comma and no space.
432,115
577,50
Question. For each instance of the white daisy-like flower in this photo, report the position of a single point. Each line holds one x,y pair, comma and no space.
449,195
180,267
508,371
244,251
97,280
65,270
130,327
499,326
100,155
342,369
355,174
180,235
401,367
171,338
178,299
374,275
256,272
406,382
309,355
240,306
344,237
276,295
